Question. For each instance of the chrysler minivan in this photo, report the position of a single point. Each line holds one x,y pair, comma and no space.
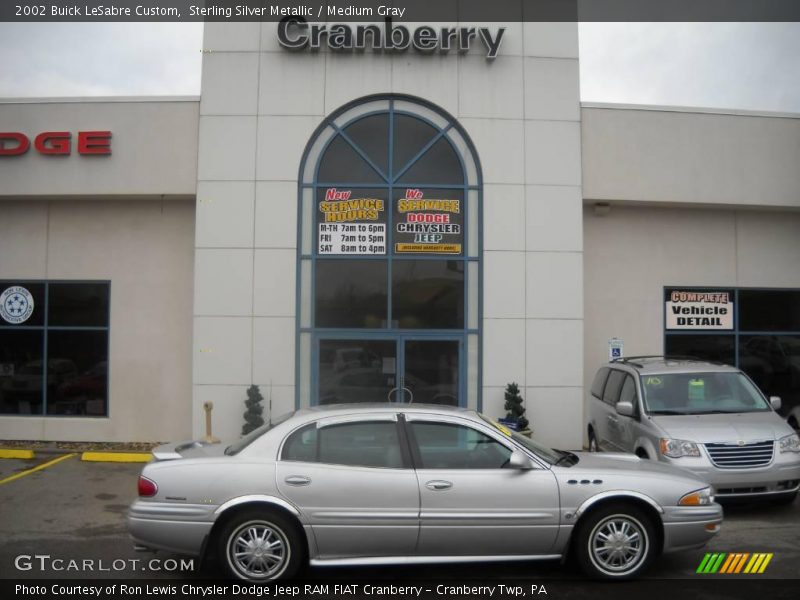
707,417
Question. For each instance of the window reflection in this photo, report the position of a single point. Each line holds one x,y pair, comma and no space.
351,293
428,294
773,363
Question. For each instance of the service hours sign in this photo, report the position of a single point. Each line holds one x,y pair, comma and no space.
351,222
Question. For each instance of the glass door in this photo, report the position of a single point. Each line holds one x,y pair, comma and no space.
404,369
356,370
431,373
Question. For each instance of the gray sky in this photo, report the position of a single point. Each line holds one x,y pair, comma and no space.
750,66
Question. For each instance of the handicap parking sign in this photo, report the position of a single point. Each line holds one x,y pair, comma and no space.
615,346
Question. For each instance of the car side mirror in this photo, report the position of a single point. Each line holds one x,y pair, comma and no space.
625,409
519,460
775,402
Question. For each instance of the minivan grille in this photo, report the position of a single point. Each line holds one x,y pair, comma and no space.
734,456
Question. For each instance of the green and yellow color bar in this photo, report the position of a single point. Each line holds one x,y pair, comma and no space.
734,562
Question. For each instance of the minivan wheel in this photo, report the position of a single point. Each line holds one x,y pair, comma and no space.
615,542
593,447
258,546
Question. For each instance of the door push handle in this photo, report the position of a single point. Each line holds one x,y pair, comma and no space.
297,480
438,485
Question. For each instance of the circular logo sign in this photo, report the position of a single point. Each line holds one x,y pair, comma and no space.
16,305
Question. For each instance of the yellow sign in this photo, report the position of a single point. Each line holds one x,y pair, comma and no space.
435,248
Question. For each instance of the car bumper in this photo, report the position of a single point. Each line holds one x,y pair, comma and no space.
687,527
181,529
740,483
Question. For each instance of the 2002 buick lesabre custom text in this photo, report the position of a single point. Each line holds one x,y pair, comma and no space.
387,483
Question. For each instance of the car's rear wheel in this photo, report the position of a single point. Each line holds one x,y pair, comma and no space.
615,542
258,546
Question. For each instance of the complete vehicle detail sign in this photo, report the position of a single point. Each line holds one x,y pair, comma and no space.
698,309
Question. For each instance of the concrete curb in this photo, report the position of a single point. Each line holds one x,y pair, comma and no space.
15,453
124,457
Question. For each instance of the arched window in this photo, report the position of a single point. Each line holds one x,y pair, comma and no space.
389,272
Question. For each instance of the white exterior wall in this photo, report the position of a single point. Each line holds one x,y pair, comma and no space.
633,252
127,217
153,148
144,247
651,154
260,105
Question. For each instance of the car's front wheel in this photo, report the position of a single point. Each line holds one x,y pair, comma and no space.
258,546
616,541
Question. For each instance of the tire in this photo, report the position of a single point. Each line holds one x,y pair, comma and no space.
253,532
630,534
593,445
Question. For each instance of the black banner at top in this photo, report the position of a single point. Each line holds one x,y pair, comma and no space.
399,10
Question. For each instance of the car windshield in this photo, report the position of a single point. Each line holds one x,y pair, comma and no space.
701,394
243,443
549,455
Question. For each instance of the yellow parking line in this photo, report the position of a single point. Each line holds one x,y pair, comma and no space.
116,456
49,463
12,453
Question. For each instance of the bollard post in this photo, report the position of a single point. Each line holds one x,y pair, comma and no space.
208,407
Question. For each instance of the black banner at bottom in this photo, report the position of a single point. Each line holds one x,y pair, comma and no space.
711,588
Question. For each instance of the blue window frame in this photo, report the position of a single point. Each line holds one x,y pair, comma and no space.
54,344
389,241
763,340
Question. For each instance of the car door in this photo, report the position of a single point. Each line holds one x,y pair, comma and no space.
470,503
354,482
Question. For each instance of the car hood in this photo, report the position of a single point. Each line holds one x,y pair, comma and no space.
734,427
616,461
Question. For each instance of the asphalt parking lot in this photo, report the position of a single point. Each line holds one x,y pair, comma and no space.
75,510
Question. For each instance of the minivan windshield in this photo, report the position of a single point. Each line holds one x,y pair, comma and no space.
701,394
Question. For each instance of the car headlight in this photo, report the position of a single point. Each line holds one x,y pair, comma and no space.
678,448
789,443
697,498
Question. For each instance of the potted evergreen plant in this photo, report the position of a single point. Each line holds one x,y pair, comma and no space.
252,416
515,417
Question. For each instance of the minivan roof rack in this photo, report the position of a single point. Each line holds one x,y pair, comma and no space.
631,359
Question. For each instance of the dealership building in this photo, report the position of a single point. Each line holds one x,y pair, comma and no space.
337,220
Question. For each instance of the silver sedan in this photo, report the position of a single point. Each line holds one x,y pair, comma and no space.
387,483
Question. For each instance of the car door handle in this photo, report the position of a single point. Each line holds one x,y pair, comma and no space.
612,419
438,485
297,480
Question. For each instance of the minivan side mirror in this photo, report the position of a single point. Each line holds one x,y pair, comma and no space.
625,409
519,460
775,402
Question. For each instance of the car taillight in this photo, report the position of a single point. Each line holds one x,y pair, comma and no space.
147,487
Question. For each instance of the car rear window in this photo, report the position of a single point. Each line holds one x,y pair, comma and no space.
599,383
243,443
